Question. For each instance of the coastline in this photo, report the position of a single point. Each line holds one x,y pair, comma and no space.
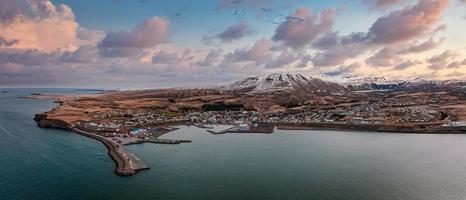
66,115
407,129
127,164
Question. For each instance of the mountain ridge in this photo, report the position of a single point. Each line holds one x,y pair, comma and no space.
284,82
295,82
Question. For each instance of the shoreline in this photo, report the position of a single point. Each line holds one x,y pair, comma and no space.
421,128
403,129
127,164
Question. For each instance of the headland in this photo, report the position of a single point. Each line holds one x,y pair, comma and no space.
119,118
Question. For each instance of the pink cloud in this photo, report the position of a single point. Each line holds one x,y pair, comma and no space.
380,4
258,53
11,9
425,46
41,25
394,29
151,32
303,33
408,23
441,61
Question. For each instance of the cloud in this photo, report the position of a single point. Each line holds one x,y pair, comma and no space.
381,4
386,57
329,58
457,64
441,61
92,37
180,59
285,58
327,41
84,54
457,75
333,49
393,56
164,57
47,9
42,42
27,57
407,64
235,32
410,22
7,43
259,53
40,25
33,57
418,48
344,69
212,58
10,10
151,32
303,33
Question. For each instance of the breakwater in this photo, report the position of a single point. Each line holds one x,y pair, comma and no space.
127,164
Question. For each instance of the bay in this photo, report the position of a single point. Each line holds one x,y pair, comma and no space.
40,163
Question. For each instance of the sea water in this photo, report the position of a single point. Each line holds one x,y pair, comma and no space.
52,164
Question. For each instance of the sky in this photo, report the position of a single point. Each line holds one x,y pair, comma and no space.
135,44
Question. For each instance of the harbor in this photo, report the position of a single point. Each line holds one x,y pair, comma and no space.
264,128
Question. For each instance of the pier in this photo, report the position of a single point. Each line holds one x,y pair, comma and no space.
265,128
167,141
127,164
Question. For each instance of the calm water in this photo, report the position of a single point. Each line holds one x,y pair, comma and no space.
53,164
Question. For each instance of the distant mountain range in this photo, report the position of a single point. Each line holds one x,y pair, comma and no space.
285,82
383,83
300,83
371,83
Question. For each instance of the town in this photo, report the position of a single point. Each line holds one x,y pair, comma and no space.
130,126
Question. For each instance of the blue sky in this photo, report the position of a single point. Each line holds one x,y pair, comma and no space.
200,17
158,43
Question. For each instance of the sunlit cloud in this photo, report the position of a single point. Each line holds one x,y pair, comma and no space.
42,42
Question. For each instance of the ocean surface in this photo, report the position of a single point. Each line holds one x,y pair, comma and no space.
54,164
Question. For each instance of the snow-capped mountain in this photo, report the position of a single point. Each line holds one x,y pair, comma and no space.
285,81
358,83
372,83
422,85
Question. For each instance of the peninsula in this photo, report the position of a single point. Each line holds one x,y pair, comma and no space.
258,104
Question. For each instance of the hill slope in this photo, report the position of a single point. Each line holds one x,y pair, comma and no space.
285,82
